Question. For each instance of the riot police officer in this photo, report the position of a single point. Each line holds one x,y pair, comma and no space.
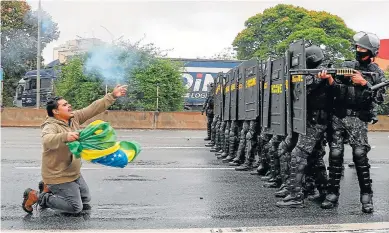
318,103
353,110
208,107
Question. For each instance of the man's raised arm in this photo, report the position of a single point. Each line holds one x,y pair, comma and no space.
99,106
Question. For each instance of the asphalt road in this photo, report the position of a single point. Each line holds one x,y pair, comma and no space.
176,183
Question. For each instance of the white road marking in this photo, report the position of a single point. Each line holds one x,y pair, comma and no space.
143,168
15,146
328,228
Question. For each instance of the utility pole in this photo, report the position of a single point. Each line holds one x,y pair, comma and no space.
38,65
157,96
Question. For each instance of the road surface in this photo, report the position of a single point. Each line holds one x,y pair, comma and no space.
177,183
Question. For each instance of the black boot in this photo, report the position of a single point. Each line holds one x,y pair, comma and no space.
282,192
293,200
228,158
235,162
367,203
267,176
246,166
365,182
331,200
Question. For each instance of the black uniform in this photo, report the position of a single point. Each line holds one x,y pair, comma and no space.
318,103
208,108
353,110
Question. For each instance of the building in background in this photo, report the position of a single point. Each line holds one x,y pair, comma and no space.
383,55
73,47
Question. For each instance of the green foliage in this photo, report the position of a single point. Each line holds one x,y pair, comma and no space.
78,89
268,34
19,32
167,75
84,78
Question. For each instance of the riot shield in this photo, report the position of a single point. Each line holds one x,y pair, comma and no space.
266,95
234,94
251,89
227,96
218,94
261,78
241,90
289,125
298,90
277,115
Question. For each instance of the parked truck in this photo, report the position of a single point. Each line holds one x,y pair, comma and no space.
26,90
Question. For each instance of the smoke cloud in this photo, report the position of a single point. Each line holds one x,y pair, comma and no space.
113,63
19,46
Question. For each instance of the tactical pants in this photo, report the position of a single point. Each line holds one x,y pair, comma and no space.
225,138
233,138
356,132
240,153
262,150
251,142
274,161
217,135
304,149
209,125
284,152
221,136
250,147
213,129
316,172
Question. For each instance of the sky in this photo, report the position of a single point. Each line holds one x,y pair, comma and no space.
189,29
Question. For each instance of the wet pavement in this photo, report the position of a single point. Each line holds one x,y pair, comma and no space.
177,183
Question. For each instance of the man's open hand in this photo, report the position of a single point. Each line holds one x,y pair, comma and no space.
119,90
72,136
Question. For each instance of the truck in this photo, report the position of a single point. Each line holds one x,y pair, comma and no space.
26,91
197,74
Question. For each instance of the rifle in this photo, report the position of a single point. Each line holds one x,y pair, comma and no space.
379,85
332,71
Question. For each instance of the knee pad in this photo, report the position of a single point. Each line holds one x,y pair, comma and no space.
360,155
336,155
359,151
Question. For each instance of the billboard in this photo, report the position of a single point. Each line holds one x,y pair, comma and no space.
198,73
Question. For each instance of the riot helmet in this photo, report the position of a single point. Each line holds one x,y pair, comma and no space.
367,41
314,56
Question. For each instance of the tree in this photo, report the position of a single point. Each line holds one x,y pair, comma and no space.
165,74
268,34
19,32
84,78
76,87
226,54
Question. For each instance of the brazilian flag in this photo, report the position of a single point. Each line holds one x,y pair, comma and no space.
97,143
